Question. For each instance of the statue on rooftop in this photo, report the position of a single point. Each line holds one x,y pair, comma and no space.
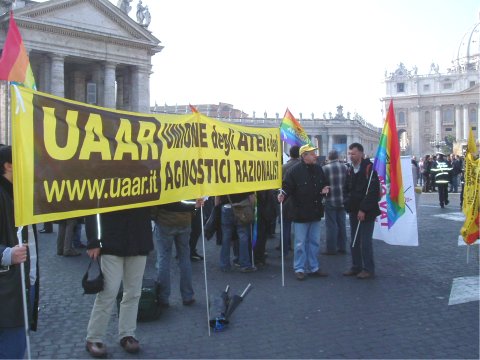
124,5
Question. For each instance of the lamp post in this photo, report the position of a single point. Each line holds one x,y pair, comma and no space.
437,143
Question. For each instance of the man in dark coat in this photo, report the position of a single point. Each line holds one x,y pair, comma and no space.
362,191
123,239
305,183
12,321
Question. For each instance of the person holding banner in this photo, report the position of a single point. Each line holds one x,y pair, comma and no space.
304,184
173,225
361,194
12,320
231,225
123,239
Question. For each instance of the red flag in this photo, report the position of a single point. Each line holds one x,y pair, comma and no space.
193,108
14,63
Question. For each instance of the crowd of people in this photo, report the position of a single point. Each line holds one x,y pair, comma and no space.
439,173
122,240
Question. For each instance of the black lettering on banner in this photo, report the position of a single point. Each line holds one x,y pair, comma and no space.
255,170
189,135
184,173
223,141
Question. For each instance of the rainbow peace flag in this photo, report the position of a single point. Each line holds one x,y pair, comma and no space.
292,132
14,63
388,167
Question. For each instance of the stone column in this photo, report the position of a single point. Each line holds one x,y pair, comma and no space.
141,89
478,123
109,85
466,122
57,78
97,78
415,131
79,85
438,123
458,122
45,74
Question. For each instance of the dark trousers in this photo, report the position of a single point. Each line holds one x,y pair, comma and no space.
259,248
442,193
362,252
196,231
48,226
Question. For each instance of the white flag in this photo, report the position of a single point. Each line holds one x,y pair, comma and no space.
405,230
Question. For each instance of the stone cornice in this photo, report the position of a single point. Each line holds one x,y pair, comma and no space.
94,36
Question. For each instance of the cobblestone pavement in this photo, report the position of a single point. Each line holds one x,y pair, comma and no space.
402,313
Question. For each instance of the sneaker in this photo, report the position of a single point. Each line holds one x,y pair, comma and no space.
130,344
195,257
248,269
236,263
96,349
300,275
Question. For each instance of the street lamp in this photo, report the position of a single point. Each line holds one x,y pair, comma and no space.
437,143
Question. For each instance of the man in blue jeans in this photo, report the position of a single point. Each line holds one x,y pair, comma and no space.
173,225
362,190
304,184
335,215
230,226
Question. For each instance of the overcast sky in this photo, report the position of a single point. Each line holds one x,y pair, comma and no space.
308,55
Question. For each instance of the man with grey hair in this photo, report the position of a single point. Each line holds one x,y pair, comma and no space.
335,215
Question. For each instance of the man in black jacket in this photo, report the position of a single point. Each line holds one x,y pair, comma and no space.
305,184
12,322
362,191
123,239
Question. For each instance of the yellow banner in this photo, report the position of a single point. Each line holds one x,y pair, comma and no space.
470,229
71,159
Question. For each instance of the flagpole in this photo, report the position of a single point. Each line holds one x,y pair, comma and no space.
205,271
281,244
24,295
358,224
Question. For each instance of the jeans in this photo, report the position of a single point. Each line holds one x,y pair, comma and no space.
229,226
335,228
454,184
165,236
362,253
13,343
130,269
307,246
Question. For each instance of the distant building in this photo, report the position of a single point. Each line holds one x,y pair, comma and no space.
327,133
432,107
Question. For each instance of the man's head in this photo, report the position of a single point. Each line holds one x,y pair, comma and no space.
6,162
307,152
294,152
355,151
333,155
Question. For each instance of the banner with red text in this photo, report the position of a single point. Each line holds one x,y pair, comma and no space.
72,159
405,230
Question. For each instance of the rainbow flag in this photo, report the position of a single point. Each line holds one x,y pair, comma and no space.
388,167
292,132
14,63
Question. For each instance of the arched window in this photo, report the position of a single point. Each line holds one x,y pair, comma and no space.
447,116
427,118
473,116
401,119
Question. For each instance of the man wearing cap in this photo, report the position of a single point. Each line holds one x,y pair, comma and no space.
305,184
441,170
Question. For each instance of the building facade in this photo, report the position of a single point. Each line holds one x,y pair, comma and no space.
327,133
435,108
85,50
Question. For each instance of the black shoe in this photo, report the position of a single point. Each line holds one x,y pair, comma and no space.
447,202
442,206
195,257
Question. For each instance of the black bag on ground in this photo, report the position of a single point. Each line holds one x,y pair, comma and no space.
149,305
